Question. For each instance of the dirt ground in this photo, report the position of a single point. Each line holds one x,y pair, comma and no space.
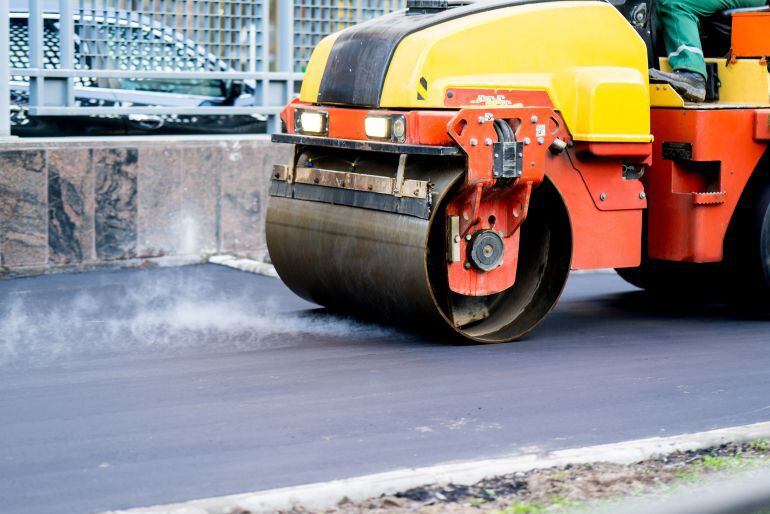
564,489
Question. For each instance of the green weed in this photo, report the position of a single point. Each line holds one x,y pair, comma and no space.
714,463
523,508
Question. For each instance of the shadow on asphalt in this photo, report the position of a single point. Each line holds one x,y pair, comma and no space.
641,303
637,316
600,315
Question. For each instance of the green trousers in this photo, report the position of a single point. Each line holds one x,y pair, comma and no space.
680,20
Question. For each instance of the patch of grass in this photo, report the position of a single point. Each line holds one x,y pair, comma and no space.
760,445
714,463
523,508
537,508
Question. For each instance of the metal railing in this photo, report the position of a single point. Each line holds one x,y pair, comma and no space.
5,91
164,57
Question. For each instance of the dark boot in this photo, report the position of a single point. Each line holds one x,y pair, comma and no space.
691,85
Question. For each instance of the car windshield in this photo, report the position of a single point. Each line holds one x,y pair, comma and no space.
179,87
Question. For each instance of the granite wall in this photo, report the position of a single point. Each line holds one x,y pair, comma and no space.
81,203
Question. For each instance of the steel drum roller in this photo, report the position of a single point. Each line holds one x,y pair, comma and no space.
392,266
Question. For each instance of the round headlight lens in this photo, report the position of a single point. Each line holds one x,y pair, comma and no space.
399,129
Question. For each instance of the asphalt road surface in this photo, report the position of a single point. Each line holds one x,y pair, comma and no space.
135,388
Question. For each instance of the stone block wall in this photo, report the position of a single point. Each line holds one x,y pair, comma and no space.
80,203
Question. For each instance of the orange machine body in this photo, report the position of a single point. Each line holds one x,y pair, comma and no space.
702,161
750,34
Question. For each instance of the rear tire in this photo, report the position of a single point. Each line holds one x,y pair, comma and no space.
678,280
748,256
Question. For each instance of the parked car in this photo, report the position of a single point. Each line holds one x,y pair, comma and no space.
153,47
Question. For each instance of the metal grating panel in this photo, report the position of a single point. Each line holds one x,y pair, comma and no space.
160,35
316,19
19,48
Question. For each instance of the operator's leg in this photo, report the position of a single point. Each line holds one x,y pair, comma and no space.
680,21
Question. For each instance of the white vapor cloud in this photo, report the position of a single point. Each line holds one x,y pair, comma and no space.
154,315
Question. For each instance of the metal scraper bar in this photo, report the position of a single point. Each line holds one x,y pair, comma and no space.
352,181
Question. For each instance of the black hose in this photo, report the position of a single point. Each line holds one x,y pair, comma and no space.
498,131
504,131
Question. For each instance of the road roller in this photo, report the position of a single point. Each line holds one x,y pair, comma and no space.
454,161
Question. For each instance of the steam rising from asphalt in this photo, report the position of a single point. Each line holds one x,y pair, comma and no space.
164,315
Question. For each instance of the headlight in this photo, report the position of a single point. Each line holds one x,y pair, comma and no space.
387,128
311,122
377,127
398,130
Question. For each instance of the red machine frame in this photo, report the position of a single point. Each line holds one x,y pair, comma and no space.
693,197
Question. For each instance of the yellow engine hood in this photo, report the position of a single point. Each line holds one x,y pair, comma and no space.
584,54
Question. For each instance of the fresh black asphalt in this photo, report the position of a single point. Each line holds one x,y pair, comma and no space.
133,388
